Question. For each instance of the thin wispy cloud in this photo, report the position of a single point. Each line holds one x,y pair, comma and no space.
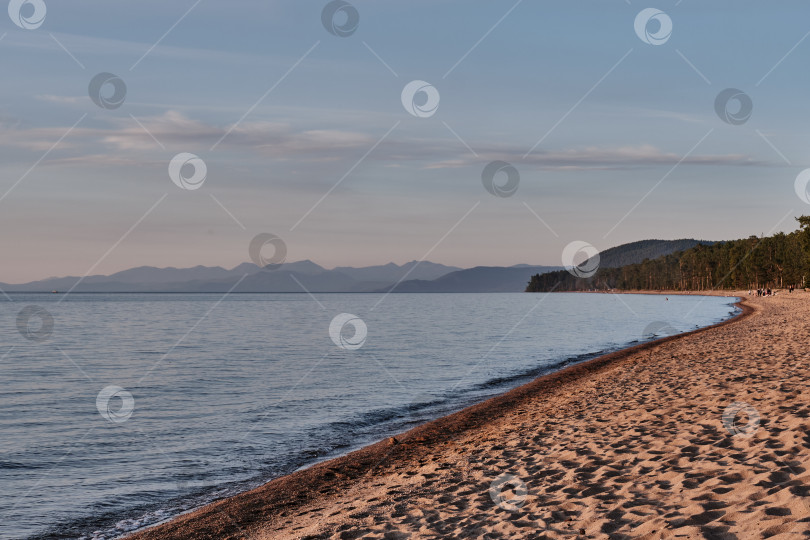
602,158
281,141
70,100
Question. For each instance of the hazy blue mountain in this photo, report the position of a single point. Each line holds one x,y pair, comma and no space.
478,279
141,278
636,252
298,277
299,267
391,273
280,280
150,274
217,279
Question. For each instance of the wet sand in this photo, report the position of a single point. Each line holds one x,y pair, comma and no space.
701,435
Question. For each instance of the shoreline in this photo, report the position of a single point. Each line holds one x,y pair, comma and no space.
253,511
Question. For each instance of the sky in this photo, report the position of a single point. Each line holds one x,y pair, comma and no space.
304,132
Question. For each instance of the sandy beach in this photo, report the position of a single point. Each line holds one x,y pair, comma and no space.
702,435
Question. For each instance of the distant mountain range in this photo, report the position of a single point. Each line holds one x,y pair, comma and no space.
290,277
298,276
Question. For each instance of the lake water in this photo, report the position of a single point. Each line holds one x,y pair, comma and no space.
207,396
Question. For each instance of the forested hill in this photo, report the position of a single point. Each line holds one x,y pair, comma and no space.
636,252
776,261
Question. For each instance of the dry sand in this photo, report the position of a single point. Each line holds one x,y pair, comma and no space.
632,444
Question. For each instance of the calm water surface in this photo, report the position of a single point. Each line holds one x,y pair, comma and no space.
230,393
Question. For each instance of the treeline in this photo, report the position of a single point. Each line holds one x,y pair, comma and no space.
777,261
635,252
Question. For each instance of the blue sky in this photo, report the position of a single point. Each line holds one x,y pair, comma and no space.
614,115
